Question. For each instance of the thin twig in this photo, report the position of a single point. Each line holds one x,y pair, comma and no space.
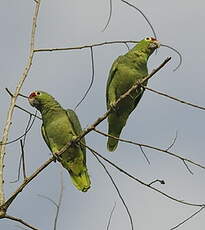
187,167
155,181
145,17
188,218
109,17
23,159
21,221
13,101
23,185
173,142
144,154
24,134
59,203
110,217
49,199
92,78
26,111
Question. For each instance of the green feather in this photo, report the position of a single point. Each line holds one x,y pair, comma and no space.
60,127
125,72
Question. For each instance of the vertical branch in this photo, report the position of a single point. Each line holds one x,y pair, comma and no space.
13,102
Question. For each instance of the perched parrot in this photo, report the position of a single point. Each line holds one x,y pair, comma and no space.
124,73
60,127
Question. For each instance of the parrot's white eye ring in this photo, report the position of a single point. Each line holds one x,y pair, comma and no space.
38,93
148,39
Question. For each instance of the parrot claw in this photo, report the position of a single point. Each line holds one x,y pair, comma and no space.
113,106
56,156
74,139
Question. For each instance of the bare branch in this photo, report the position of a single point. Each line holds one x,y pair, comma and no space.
117,189
28,128
85,46
57,205
23,185
26,111
154,148
190,217
134,87
13,101
107,43
174,98
21,221
143,183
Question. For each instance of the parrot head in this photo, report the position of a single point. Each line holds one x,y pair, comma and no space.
39,99
148,45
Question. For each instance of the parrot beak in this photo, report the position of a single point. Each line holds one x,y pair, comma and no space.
31,99
155,42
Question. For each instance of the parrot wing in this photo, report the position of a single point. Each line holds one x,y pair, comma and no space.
76,127
111,75
43,132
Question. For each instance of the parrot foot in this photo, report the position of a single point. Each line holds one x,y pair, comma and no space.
113,106
56,156
73,140
131,97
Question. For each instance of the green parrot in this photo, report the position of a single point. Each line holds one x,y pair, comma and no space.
60,127
125,71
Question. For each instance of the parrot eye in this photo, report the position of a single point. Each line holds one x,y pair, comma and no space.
148,39
38,93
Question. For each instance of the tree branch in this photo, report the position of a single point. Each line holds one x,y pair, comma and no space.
85,132
13,102
154,148
174,98
20,221
188,218
143,183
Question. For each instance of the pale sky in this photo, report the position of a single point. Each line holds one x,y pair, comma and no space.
66,75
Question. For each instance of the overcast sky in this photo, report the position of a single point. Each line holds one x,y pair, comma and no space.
66,75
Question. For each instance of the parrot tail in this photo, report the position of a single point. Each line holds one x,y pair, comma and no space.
112,143
81,181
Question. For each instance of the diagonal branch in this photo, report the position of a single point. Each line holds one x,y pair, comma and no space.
142,182
117,189
26,181
154,148
21,221
13,101
5,205
174,98
190,217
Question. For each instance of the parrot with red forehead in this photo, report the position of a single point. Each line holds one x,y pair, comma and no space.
59,127
125,72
